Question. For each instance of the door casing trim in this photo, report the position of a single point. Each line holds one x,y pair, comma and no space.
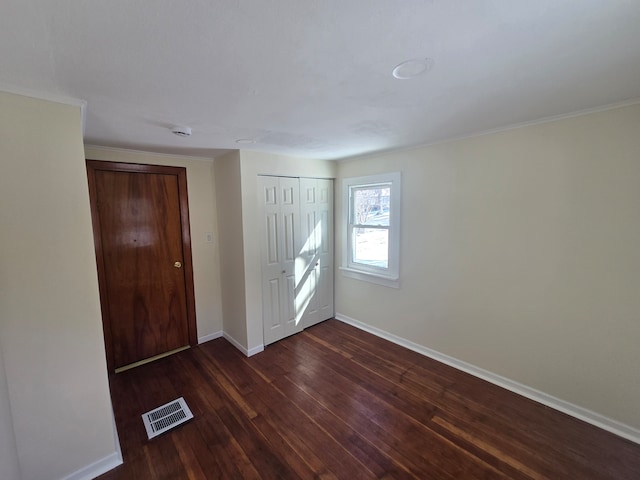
181,173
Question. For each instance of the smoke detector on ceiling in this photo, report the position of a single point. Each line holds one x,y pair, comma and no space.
181,131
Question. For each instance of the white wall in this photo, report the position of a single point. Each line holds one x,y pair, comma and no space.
227,169
50,324
202,218
9,467
520,254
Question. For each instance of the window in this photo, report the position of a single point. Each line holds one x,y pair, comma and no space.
371,207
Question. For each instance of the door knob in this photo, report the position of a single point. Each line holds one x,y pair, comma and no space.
177,264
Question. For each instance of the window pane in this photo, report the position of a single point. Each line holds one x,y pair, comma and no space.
371,246
371,205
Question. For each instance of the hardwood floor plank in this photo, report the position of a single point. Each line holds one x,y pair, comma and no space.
381,464
199,459
335,402
379,412
272,404
497,408
411,389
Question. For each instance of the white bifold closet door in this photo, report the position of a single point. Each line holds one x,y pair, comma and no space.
315,267
297,254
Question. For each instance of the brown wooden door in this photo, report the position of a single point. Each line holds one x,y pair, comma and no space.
141,230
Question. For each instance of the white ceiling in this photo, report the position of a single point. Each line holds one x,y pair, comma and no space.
313,77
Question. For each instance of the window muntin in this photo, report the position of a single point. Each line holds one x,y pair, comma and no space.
372,214
369,225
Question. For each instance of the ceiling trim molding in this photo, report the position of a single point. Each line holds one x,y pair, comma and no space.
506,128
145,152
49,97
540,121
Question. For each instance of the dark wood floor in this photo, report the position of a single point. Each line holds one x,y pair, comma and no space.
336,402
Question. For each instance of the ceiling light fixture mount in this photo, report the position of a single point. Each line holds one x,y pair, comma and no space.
412,68
181,131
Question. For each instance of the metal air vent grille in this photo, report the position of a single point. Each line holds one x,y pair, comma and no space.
166,417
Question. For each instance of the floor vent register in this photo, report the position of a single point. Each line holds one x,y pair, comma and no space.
166,417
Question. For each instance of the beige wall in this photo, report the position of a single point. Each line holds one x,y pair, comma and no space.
520,254
50,326
227,169
202,217
9,467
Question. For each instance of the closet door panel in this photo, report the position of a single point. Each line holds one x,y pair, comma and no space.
280,248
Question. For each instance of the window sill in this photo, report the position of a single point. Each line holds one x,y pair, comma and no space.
384,280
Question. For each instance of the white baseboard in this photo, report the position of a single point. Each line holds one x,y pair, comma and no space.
606,423
254,350
239,346
116,437
96,469
211,336
107,463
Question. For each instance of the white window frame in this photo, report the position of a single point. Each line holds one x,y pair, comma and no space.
390,276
